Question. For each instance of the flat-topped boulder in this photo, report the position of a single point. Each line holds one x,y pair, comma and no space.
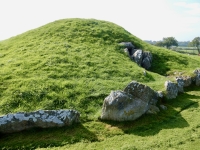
141,91
120,106
41,118
136,100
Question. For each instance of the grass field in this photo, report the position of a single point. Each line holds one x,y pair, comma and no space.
74,64
187,50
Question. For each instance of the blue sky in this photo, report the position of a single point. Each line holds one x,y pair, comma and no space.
146,19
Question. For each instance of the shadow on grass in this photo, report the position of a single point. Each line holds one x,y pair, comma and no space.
149,125
43,138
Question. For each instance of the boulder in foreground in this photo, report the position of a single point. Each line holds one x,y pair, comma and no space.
136,100
120,106
42,118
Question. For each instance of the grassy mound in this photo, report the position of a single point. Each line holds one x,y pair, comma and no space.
74,64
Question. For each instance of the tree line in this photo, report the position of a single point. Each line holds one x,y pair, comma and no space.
168,42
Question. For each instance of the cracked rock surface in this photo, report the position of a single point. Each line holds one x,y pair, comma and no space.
41,118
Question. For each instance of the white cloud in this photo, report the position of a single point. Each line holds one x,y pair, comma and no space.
192,8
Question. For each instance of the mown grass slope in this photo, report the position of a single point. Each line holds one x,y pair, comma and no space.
74,64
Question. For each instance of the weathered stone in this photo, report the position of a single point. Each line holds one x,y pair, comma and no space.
137,56
42,118
146,60
141,91
146,63
120,106
197,80
197,77
180,83
163,107
187,81
171,90
152,110
147,54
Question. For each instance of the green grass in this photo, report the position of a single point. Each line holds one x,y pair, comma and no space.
74,64
187,50
176,128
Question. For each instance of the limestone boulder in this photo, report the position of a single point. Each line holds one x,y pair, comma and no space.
141,91
42,118
120,106
187,81
146,60
146,63
147,54
171,90
131,103
180,83
137,56
197,77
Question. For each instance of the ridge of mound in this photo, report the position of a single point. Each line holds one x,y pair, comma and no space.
74,64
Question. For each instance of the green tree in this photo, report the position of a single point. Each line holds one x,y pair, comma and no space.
170,41
159,43
196,43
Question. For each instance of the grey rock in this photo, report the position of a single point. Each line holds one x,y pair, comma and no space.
147,54
141,91
42,118
153,110
180,83
171,90
163,107
130,104
137,56
146,60
146,63
197,80
120,106
197,77
187,81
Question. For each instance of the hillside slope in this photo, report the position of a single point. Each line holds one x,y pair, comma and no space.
75,63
